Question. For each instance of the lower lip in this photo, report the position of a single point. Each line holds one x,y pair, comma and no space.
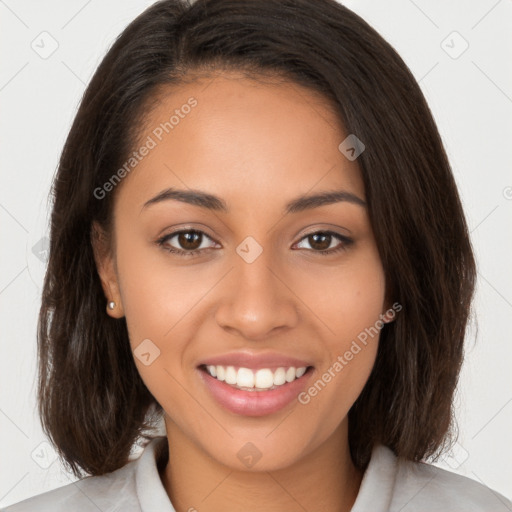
254,403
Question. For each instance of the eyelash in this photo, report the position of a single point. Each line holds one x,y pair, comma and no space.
345,242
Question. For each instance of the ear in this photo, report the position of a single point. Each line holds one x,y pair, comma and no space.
105,265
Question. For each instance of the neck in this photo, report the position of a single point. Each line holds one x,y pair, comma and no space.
324,479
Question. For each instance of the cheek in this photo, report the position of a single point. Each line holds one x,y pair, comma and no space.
156,293
161,301
346,298
351,309
153,302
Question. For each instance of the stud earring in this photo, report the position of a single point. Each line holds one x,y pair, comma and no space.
111,305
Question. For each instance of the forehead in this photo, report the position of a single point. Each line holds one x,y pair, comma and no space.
232,136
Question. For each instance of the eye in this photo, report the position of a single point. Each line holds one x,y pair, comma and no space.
189,242
322,242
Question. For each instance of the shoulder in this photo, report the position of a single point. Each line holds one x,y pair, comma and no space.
420,484
135,487
420,487
112,492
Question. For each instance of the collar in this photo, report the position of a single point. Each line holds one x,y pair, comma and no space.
375,492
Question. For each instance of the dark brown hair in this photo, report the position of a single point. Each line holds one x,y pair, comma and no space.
93,404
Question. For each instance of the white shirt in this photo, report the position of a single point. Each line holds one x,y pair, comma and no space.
389,484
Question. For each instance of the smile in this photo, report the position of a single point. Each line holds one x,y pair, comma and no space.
254,392
259,380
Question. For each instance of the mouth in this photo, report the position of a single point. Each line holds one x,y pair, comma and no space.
263,379
254,392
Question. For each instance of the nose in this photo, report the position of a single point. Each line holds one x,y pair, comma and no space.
257,299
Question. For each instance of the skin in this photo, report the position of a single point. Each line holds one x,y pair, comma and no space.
257,146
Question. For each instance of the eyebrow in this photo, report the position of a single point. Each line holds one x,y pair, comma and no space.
214,203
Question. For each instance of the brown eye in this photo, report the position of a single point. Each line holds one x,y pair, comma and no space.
188,240
321,242
185,243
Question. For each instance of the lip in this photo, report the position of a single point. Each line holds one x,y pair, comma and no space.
255,361
254,403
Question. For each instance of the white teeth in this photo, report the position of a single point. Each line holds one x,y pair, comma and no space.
264,379
230,375
290,374
221,372
279,377
261,379
300,372
245,378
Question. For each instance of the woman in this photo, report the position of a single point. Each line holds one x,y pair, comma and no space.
256,236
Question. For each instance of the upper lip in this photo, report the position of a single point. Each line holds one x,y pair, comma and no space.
255,361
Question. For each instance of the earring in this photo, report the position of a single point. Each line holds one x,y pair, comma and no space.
111,305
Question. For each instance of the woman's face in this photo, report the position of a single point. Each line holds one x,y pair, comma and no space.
258,293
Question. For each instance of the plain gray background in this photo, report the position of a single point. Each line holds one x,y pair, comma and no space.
459,51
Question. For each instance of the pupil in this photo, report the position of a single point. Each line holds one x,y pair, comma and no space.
186,240
319,241
322,246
